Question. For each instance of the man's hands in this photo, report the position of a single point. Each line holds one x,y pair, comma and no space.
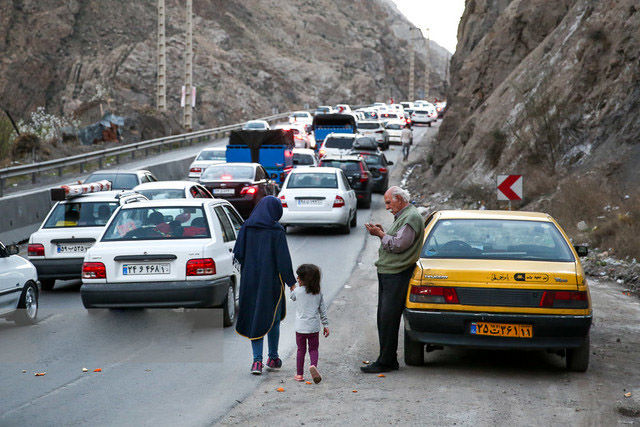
375,230
325,331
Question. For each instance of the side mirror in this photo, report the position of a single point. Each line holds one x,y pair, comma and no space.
389,162
582,250
13,250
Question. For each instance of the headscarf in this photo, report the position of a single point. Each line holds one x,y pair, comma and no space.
266,214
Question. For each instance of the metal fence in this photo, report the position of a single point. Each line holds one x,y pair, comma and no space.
80,160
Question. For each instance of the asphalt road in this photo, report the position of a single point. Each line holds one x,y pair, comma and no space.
158,367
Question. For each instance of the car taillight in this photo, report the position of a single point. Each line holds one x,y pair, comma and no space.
564,299
284,202
322,152
196,170
364,175
380,131
433,294
35,249
383,170
94,270
338,202
251,190
201,267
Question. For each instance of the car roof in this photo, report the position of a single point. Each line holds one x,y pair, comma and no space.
396,122
488,214
167,203
235,164
256,121
304,112
369,121
304,151
119,171
214,149
322,169
346,158
165,184
341,135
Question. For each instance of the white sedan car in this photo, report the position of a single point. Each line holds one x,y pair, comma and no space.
165,253
318,197
18,287
424,115
302,117
162,190
206,158
393,131
304,157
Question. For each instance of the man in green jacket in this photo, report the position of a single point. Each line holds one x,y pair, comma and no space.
399,250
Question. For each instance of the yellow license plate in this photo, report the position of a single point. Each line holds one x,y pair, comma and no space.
501,330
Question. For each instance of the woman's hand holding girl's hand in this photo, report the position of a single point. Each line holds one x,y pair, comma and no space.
292,287
326,331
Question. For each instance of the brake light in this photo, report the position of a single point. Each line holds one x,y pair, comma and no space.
283,201
434,294
383,170
250,190
380,131
564,299
338,202
322,152
35,249
364,176
195,170
201,267
94,270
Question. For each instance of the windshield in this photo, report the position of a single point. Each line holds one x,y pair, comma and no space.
313,180
394,126
119,181
368,125
160,223
302,159
227,171
163,193
255,126
370,159
348,167
300,115
421,112
496,239
341,143
81,214
212,155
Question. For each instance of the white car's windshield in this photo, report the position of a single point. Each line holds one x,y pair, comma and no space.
119,181
85,214
159,223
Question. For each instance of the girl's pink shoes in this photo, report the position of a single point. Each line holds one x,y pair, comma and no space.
298,378
315,374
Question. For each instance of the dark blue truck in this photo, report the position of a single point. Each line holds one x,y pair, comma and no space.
324,124
271,148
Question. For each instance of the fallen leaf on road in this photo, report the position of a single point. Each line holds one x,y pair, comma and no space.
308,382
280,389
366,362
39,374
97,370
147,370
85,370
381,375
628,394
354,391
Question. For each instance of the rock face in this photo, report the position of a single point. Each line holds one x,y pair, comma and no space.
250,56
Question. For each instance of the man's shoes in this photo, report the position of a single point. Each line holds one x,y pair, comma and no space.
377,368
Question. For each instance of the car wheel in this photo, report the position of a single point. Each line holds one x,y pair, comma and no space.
429,124
229,307
346,229
354,220
47,284
28,305
413,351
366,204
578,358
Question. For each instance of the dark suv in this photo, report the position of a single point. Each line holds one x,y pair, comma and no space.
357,172
379,168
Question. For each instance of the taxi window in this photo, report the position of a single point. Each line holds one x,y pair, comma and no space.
235,218
228,234
158,223
496,239
85,214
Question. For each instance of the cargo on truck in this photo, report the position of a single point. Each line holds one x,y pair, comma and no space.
324,124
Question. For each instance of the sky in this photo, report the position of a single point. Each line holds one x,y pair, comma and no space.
440,16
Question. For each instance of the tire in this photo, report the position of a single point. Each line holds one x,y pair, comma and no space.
366,204
229,307
28,305
47,284
354,220
346,229
413,351
429,124
578,358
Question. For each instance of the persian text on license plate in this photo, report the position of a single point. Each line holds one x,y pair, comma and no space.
135,269
309,202
501,330
224,191
72,249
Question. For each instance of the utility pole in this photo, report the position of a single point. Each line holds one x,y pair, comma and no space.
161,87
188,65
412,64
427,83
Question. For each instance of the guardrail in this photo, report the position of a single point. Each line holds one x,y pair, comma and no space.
34,169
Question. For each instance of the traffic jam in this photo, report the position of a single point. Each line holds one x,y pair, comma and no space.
494,279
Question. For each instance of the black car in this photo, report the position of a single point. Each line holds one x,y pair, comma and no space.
379,168
358,174
242,184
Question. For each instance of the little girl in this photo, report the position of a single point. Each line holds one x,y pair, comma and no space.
310,311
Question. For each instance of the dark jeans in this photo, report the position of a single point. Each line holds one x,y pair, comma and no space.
392,293
273,337
301,340
405,151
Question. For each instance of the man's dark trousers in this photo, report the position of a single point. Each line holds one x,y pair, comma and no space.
392,293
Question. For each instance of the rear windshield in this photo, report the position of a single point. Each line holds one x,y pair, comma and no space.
159,223
341,143
497,239
163,193
370,159
302,159
421,112
300,115
322,109
313,180
255,126
347,167
119,181
227,171
85,214
389,116
212,155
368,125
394,126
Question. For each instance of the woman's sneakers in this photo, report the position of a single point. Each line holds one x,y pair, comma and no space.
256,368
274,363
315,374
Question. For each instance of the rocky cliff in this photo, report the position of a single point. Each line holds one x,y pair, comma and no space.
250,56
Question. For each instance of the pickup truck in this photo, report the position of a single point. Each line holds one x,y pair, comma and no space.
273,149
324,124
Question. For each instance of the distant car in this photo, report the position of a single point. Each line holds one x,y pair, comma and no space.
163,190
301,137
379,167
304,157
18,287
256,125
357,173
336,144
369,114
387,117
165,254
122,179
423,116
242,184
206,158
313,197
393,131
398,109
441,108
303,117
373,129
406,105
323,109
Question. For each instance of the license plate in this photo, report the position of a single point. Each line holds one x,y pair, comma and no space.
309,202
73,249
224,191
501,330
137,269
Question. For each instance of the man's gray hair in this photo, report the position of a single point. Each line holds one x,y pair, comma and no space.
400,193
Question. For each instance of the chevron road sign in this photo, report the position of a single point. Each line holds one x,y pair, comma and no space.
509,187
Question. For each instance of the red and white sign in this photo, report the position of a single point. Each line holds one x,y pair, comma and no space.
65,191
509,187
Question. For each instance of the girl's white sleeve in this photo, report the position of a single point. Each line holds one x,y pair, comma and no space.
293,293
322,309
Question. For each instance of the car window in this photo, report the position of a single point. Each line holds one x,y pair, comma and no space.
119,181
204,193
260,174
371,159
302,159
227,171
394,126
368,126
151,178
228,234
162,193
236,220
82,214
312,180
212,155
341,143
496,239
345,181
195,193
347,167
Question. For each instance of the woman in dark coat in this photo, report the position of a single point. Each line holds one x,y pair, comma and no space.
263,254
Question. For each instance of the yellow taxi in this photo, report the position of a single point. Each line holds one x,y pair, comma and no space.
498,279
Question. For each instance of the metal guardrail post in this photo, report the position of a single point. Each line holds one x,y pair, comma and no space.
81,167
1,187
33,177
60,169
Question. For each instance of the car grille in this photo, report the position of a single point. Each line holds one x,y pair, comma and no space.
499,297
